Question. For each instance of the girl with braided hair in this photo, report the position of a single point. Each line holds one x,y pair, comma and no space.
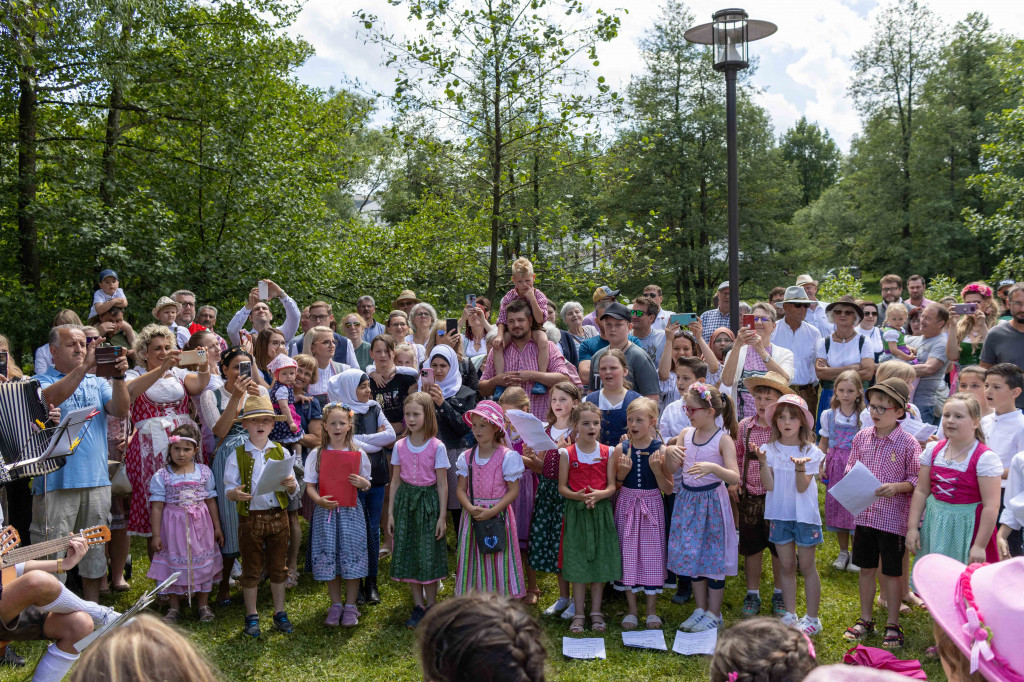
762,650
481,637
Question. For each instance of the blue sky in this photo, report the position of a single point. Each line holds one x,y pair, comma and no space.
804,68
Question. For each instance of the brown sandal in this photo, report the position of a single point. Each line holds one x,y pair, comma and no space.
859,630
532,597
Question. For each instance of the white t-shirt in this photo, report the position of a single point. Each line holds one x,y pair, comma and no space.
873,336
654,345
100,296
1013,514
1004,435
440,453
785,503
841,420
844,353
989,463
512,467
312,475
674,419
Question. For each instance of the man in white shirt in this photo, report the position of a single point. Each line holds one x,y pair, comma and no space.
817,314
653,292
259,312
800,338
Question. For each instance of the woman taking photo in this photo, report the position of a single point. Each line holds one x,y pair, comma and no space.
476,326
468,370
319,342
967,332
753,355
160,395
843,350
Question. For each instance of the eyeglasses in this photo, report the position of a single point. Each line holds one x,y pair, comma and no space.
187,304
870,313
650,294
890,289
762,319
319,317
879,409
636,313
329,342
422,313
693,410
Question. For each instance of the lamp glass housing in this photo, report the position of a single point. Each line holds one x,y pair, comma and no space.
730,39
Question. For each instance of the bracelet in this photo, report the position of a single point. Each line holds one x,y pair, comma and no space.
60,565
621,480
118,378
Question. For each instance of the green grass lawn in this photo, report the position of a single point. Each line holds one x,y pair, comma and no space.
381,648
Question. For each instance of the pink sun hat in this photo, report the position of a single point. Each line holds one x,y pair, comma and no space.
487,410
981,608
280,362
795,401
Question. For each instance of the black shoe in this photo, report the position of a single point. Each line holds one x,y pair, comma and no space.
12,659
252,625
417,615
370,591
361,594
282,624
683,592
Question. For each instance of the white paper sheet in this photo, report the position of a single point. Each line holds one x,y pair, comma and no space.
694,643
856,492
274,471
645,639
531,430
66,436
586,647
918,429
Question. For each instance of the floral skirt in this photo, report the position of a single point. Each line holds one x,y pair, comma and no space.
546,527
703,540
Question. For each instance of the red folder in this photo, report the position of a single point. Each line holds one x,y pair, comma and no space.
335,467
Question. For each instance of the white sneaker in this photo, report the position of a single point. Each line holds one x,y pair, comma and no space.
853,567
707,622
569,612
791,620
810,626
561,605
842,561
108,615
236,570
695,617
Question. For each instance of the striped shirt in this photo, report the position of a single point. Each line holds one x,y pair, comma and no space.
893,459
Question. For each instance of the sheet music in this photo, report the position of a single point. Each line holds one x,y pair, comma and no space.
531,430
129,615
645,639
583,648
695,643
66,437
856,492
274,471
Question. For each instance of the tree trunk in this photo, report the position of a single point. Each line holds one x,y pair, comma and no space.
28,231
109,180
496,159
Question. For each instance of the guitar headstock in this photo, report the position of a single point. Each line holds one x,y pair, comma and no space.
9,539
96,535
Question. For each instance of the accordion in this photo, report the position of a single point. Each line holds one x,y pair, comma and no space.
21,405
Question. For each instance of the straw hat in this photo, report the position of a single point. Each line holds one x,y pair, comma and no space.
406,295
806,279
770,379
166,302
259,406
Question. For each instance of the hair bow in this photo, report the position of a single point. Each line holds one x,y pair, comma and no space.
175,439
703,390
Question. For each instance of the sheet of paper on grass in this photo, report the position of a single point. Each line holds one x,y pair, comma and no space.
645,639
856,492
585,647
531,430
695,643
274,471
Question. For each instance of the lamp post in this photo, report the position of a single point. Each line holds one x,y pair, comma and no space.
730,32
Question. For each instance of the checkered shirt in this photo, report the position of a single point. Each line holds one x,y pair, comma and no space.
893,459
712,320
542,302
759,436
526,359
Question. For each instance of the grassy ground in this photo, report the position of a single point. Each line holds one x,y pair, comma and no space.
381,648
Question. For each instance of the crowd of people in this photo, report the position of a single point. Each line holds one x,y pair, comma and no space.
683,442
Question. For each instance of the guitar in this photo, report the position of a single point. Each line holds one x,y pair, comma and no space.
10,556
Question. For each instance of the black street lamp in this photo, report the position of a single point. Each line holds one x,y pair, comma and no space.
729,33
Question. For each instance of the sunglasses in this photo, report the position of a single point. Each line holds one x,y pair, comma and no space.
800,305
352,325
842,311
870,313
636,313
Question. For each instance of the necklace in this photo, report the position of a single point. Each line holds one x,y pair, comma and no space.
848,338
957,456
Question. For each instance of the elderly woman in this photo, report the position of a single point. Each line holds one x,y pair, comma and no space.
319,342
753,355
160,396
843,350
353,326
218,410
572,314
422,317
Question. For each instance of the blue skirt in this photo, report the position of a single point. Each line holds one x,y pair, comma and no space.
226,509
338,541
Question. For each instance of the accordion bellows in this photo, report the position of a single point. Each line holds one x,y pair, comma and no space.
21,405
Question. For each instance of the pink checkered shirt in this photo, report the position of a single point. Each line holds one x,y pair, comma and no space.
526,359
542,301
893,459
759,436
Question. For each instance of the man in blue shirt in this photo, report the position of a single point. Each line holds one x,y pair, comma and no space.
78,494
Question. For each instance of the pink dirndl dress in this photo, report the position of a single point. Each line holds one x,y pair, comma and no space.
840,442
147,452
501,572
523,504
187,533
640,520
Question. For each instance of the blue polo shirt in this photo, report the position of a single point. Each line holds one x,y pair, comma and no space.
87,467
589,346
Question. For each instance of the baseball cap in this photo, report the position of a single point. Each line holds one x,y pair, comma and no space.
108,273
618,311
603,292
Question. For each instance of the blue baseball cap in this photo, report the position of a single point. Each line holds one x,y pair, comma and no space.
108,273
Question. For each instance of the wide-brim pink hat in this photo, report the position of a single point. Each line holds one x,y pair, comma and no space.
981,608
795,401
488,410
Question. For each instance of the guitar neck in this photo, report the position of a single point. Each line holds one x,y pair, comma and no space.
21,554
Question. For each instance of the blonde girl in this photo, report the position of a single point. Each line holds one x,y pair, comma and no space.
406,356
590,544
546,525
958,487
614,396
839,424
893,343
971,379
417,511
639,512
488,482
703,544
789,462
338,534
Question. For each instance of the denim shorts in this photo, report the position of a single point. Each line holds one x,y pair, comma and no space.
803,534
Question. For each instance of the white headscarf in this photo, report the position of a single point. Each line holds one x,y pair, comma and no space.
453,381
341,388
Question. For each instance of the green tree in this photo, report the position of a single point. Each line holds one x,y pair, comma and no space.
815,156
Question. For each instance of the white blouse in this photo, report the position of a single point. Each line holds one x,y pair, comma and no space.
512,467
168,388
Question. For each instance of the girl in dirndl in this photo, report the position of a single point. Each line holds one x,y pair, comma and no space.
703,543
495,472
546,526
417,510
186,528
839,424
639,511
590,546
338,534
515,398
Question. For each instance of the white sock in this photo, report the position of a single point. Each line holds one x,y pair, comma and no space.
54,664
69,602
778,591
754,592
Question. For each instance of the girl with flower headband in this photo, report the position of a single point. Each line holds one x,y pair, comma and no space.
185,525
703,544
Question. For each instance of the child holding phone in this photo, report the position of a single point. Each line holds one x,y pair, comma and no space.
523,279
